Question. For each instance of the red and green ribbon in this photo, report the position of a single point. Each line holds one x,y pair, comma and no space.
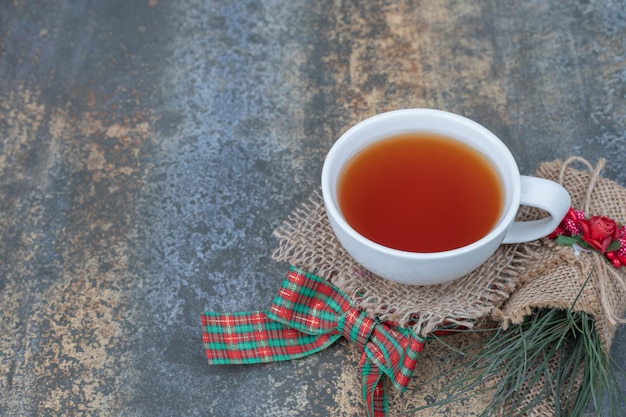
308,315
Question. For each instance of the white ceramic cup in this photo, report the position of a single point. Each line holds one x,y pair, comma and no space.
439,267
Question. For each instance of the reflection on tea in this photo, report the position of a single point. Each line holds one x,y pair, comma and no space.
420,192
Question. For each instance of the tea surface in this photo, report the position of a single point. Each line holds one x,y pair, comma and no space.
420,192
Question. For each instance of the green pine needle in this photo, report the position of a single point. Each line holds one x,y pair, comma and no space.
552,346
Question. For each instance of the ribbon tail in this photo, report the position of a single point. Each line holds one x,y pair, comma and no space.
373,390
252,337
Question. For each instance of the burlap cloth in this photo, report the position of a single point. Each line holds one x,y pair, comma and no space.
514,281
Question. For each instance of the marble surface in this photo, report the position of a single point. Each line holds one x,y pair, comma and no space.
148,149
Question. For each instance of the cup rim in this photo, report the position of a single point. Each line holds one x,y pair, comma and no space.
333,211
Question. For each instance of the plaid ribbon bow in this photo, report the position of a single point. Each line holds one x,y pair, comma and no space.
308,315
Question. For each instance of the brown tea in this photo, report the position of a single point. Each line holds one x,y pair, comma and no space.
420,192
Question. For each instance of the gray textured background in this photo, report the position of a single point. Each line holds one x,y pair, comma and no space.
149,148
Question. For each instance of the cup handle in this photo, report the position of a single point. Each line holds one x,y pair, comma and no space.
546,195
